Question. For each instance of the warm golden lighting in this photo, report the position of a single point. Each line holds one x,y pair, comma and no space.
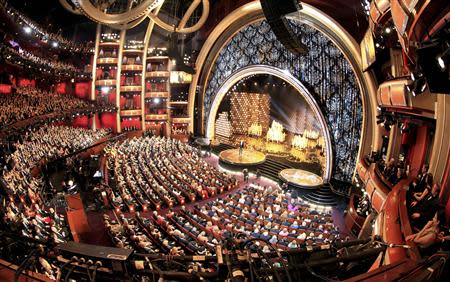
275,133
255,130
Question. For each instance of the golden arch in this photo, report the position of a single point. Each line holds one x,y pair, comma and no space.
288,77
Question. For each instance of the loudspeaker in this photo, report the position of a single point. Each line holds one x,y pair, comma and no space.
275,12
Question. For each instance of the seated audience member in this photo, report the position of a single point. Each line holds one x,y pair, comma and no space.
423,180
428,235
425,205
390,169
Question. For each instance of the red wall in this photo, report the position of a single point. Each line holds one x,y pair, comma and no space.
83,90
27,82
81,121
61,88
107,120
418,149
5,89
445,189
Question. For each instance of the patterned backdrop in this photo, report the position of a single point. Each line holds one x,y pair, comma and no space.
324,71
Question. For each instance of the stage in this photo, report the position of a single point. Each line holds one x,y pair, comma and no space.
249,158
301,178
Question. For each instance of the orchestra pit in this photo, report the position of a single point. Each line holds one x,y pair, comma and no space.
218,140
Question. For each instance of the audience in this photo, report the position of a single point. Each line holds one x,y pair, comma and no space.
198,229
22,54
29,102
154,171
24,206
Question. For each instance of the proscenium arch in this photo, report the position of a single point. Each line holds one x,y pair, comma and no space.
251,12
288,77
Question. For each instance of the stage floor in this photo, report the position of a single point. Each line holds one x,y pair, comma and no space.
301,178
248,158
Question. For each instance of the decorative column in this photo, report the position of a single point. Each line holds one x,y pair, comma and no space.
118,76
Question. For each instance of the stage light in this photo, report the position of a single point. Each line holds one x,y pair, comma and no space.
105,89
377,45
443,59
55,44
157,100
387,30
441,62
27,29
70,183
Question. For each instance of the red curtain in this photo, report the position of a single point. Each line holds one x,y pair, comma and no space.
418,150
127,122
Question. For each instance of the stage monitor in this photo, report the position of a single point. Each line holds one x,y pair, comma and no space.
275,12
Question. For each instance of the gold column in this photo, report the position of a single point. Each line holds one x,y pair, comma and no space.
94,71
147,38
118,75
441,145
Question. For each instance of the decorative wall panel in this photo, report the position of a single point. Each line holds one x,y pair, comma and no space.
324,70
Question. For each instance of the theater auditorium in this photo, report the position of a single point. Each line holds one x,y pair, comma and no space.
224,140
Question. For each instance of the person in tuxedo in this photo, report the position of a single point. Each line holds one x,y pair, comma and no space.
241,148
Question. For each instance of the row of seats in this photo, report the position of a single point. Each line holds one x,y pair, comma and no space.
154,172
254,212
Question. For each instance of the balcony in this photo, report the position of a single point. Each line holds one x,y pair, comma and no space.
185,120
157,74
155,58
131,113
179,103
157,95
107,61
374,184
111,44
105,82
132,67
131,88
133,51
153,117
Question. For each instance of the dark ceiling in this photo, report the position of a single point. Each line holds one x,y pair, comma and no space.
50,14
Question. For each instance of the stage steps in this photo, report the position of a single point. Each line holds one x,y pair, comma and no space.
322,196
270,168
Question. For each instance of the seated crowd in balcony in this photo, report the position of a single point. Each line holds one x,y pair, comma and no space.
23,208
28,102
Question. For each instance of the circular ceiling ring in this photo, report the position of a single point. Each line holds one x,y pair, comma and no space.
69,8
117,19
126,26
181,28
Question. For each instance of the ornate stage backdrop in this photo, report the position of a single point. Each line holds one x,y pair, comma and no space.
324,70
